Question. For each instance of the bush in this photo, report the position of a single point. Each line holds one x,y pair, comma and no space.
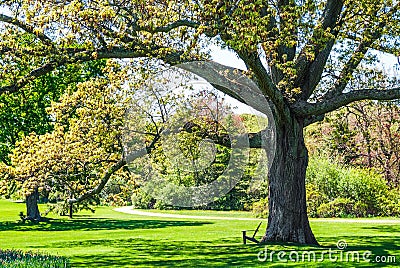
142,200
336,191
325,176
260,208
390,204
315,198
365,186
339,207
361,209
20,259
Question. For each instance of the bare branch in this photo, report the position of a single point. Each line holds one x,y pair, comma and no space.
378,46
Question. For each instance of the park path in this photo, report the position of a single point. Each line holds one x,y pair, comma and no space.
130,210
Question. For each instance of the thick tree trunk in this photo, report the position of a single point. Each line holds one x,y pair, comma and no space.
287,220
32,209
71,211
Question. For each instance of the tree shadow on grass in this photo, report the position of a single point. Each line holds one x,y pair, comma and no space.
95,224
388,228
150,253
383,243
134,252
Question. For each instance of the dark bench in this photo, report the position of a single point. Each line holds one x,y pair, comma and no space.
252,238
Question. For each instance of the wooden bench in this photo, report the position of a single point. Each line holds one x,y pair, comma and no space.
252,238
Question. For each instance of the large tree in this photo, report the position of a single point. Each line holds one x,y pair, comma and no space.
301,54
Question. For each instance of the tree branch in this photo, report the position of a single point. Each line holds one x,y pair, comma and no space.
264,81
309,70
256,140
101,185
352,64
117,166
371,36
170,27
232,82
82,56
321,108
27,28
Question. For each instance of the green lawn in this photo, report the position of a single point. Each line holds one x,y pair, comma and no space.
112,239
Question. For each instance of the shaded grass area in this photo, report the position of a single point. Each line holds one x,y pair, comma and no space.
111,239
93,224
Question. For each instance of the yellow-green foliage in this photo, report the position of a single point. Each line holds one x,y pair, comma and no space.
85,143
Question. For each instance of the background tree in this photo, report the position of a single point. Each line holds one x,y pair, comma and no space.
75,161
84,143
24,112
362,134
198,154
289,48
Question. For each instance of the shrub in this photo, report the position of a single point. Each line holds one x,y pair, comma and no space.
142,200
334,191
314,199
361,209
339,207
364,186
325,176
260,208
390,204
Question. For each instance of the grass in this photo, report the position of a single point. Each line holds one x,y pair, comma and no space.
112,239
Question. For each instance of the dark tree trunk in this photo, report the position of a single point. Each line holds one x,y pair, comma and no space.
287,220
71,211
32,209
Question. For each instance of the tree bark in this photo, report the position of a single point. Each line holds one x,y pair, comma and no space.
71,211
287,220
32,209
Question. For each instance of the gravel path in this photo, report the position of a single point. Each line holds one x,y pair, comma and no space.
130,210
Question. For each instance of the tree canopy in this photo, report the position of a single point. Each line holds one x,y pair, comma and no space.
299,40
